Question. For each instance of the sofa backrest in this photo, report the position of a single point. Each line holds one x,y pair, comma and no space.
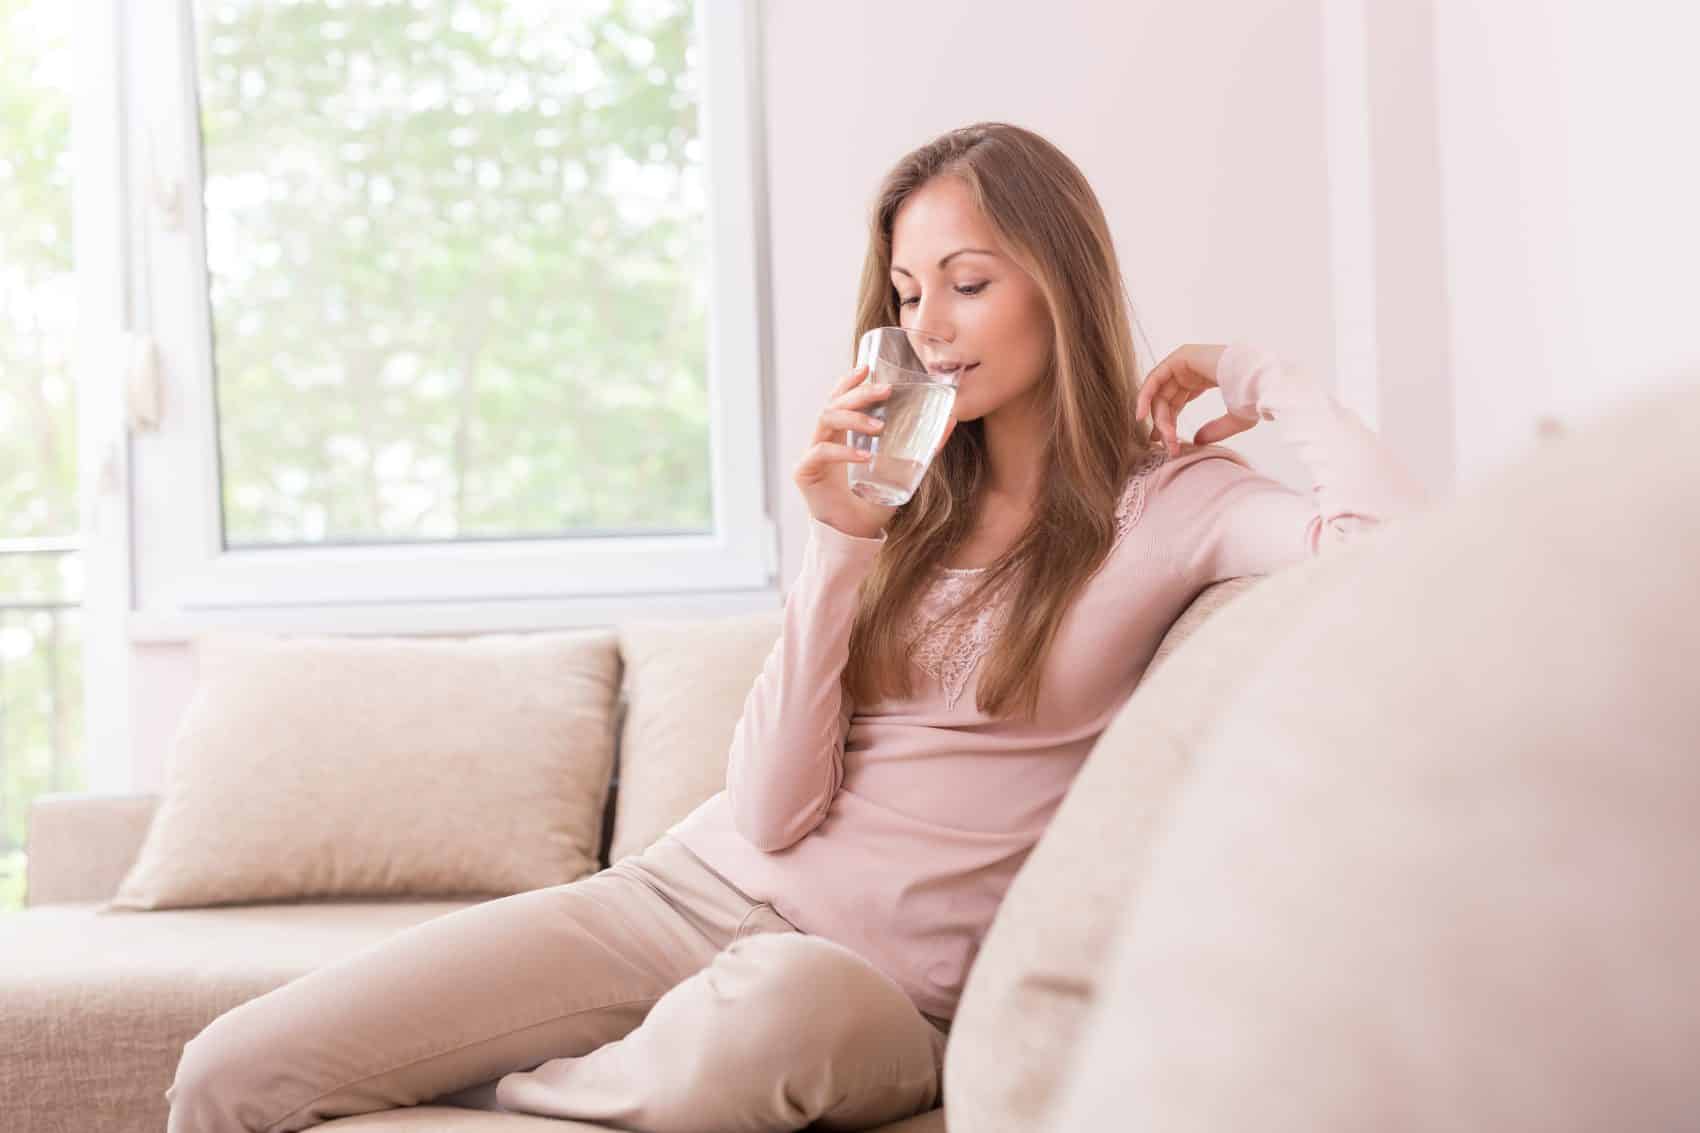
682,691
1436,865
1038,969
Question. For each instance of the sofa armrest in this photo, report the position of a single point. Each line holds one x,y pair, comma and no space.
80,846
1207,602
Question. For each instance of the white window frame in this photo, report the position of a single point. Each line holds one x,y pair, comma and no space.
186,581
101,264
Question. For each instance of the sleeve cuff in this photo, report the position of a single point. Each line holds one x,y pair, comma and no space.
1257,385
1241,373
830,539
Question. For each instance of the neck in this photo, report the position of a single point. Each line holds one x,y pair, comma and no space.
1015,452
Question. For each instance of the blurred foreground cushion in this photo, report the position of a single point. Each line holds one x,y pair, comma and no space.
1040,966
1436,869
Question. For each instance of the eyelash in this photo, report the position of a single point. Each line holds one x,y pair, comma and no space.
971,289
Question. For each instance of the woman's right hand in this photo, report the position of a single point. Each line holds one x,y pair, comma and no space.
821,475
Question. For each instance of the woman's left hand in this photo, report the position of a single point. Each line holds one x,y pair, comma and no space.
1183,375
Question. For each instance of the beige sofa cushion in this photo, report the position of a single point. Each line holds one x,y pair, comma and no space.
442,1119
1040,964
686,682
80,845
346,767
1437,867
95,1007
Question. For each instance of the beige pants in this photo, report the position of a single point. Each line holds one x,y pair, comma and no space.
651,996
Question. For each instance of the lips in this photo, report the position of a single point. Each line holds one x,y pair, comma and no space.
950,368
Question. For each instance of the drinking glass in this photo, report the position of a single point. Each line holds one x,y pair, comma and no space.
922,370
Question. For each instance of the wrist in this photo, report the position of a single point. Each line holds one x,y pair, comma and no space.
1256,384
841,533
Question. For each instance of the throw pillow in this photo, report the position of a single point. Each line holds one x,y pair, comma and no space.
315,767
686,681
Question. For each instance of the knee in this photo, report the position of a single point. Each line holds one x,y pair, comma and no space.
805,994
213,1089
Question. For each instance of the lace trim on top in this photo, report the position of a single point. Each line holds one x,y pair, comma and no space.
949,650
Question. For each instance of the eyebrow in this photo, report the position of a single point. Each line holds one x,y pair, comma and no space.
947,259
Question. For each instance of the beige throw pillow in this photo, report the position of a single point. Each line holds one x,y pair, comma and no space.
1437,867
1042,960
686,682
317,767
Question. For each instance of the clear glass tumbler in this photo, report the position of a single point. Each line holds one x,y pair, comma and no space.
922,370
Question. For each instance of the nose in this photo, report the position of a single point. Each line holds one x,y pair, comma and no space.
936,353
928,322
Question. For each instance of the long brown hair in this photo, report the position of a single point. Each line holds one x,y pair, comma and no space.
1050,223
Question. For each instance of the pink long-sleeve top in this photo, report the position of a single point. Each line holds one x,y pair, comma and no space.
894,828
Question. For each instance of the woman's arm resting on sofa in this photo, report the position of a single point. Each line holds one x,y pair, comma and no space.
1243,522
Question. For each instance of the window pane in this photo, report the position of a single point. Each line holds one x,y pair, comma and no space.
38,459
40,583
458,268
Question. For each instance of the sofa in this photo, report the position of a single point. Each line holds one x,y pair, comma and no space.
1403,836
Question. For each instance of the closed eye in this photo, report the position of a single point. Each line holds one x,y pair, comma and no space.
967,289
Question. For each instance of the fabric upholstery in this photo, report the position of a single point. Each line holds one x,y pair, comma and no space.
95,1006
1435,869
79,846
1039,966
685,684
349,767
442,1119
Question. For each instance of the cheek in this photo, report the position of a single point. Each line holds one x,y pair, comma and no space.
1024,331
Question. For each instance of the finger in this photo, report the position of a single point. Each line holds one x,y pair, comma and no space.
860,396
1148,390
854,400
838,420
1221,429
1166,413
850,380
824,454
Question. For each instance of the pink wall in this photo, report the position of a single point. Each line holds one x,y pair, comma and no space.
1201,132
1203,136
1528,245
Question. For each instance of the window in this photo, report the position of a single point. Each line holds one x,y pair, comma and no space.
40,580
457,269
401,316
456,312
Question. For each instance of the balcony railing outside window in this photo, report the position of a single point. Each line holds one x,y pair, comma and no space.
41,695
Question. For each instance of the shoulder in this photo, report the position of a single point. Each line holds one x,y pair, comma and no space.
1187,475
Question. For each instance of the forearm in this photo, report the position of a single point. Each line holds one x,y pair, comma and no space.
786,757
1355,478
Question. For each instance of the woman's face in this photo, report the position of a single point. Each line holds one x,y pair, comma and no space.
987,308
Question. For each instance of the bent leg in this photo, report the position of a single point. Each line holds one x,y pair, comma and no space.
458,1000
780,1030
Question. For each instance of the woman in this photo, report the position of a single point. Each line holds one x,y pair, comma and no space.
792,951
